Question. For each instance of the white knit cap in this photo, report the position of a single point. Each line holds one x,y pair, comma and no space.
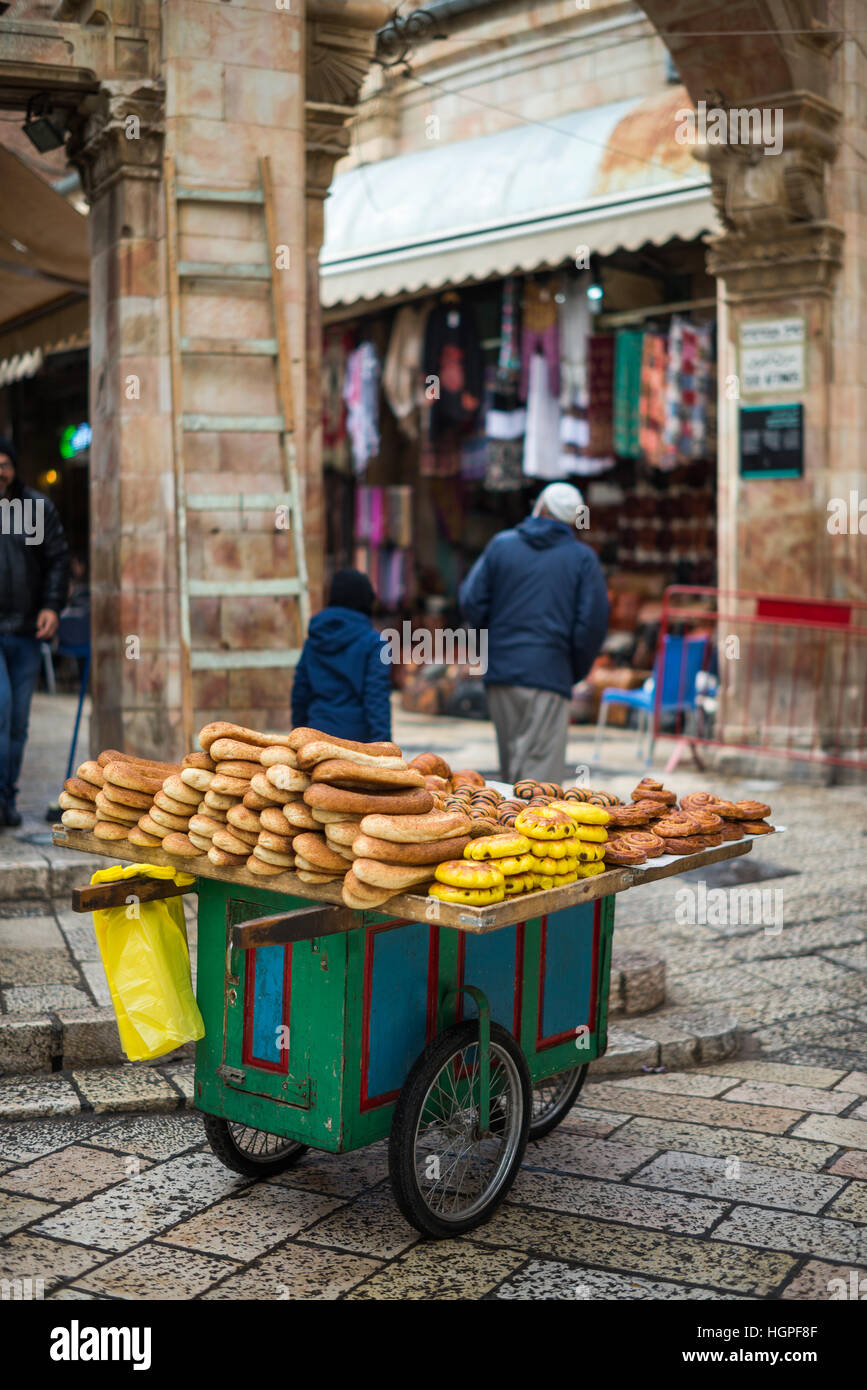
562,501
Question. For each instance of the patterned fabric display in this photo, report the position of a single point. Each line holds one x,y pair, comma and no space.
687,392
627,392
652,405
361,394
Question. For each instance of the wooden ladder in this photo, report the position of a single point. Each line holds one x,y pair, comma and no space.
277,349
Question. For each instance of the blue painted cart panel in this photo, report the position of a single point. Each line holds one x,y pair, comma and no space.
494,964
266,1006
397,967
568,970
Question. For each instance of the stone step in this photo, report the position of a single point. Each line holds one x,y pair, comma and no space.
673,1038
159,1088
637,982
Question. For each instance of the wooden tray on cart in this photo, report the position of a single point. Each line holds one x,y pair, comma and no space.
412,906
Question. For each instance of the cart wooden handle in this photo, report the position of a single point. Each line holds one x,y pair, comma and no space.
118,893
301,924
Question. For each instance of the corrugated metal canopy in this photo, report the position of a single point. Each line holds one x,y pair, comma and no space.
523,198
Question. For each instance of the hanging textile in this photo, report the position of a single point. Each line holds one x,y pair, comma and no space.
688,382
453,355
540,333
575,324
402,377
398,503
505,427
628,347
652,404
337,344
542,440
361,394
339,518
474,449
509,359
600,405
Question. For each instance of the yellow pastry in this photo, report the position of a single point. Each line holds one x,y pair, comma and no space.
588,870
521,864
554,880
473,897
504,846
594,833
541,823
459,873
517,883
581,812
552,849
586,853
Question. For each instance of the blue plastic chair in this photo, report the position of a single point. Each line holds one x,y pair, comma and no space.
679,662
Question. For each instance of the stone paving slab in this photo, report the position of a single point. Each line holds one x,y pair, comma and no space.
739,1180
542,1280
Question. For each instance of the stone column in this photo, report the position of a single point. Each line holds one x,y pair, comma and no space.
781,256
117,147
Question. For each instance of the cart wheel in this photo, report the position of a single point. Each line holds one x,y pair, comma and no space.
446,1175
553,1099
253,1152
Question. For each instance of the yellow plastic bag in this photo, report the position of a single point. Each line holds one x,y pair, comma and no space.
147,965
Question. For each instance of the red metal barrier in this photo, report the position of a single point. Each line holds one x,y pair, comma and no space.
792,674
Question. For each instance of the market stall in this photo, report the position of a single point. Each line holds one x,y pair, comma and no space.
449,992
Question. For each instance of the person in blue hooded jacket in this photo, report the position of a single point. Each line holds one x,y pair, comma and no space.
541,595
342,686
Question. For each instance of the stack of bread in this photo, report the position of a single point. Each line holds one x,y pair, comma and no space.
347,780
394,852
108,796
236,792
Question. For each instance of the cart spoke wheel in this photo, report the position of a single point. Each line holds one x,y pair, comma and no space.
253,1152
447,1174
553,1098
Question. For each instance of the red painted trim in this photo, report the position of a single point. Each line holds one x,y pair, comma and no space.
433,979
462,960
368,1102
594,967
518,998
247,1056
555,1039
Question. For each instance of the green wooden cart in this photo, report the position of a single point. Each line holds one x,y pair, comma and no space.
460,1033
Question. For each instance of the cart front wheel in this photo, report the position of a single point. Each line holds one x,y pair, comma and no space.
253,1152
553,1099
447,1175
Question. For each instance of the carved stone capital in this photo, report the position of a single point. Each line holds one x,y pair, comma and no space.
803,258
119,135
341,42
777,179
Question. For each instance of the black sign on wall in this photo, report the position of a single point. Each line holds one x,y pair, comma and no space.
772,441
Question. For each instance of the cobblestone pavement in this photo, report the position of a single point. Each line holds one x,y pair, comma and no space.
744,1180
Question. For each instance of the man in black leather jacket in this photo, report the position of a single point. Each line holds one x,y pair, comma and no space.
34,577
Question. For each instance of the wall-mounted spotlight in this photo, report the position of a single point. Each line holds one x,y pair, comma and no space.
45,124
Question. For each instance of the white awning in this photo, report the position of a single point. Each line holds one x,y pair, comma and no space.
519,200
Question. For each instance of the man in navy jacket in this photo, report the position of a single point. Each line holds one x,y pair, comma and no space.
342,686
540,592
